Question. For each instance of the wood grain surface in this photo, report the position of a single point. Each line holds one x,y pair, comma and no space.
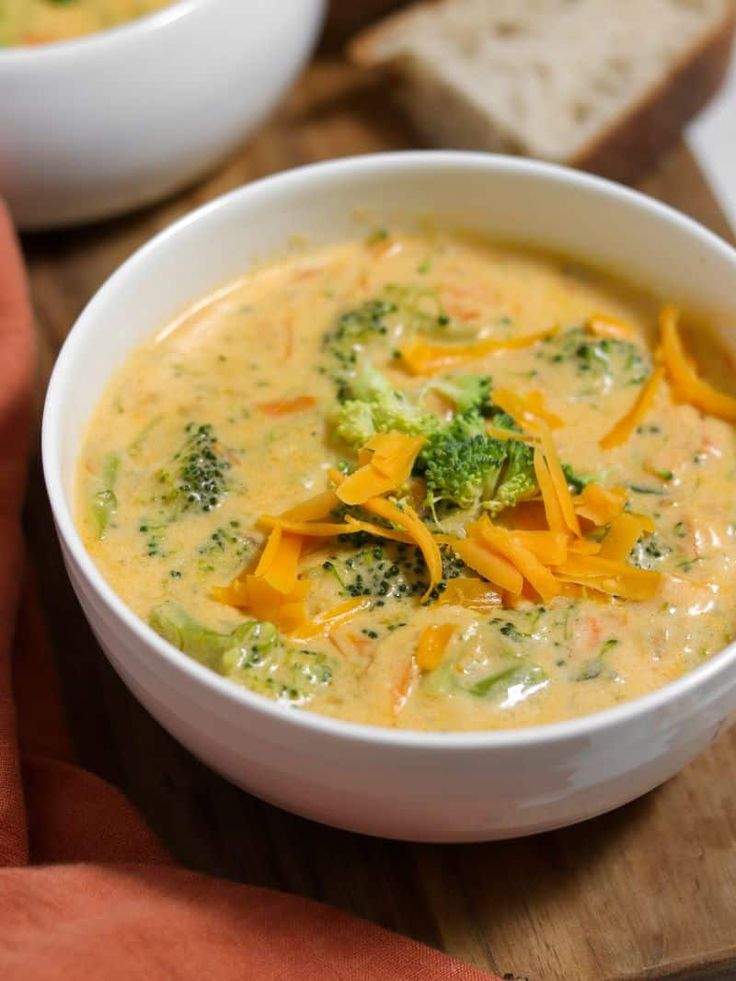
648,891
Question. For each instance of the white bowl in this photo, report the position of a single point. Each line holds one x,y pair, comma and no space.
98,125
412,785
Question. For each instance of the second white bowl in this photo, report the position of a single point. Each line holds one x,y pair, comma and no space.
96,126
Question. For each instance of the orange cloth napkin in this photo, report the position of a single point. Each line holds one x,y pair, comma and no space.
86,891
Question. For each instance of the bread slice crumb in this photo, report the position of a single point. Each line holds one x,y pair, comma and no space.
600,84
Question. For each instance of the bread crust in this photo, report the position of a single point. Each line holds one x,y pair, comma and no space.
648,129
644,130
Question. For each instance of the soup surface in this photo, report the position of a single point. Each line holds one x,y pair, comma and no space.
43,21
424,482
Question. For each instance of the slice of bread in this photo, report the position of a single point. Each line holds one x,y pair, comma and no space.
605,85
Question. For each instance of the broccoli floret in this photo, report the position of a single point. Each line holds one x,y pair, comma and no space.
174,624
519,482
377,407
254,654
197,479
400,310
461,463
354,423
465,467
466,392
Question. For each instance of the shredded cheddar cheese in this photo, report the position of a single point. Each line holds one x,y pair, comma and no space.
390,465
623,534
600,504
423,358
688,386
621,431
407,519
432,645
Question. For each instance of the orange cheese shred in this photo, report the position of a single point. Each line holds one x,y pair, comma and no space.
423,358
623,534
314,508
526,410
390,466
473,594
559,481
283,568
687,385
495,568
608,576
600,504
552,509
253,594
550,547
407,519
621,431
308,529
501,541
354,525
432,645
324,622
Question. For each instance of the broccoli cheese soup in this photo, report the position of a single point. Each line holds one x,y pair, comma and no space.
424,482
43,21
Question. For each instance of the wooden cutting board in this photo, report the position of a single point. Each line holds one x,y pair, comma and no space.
646,892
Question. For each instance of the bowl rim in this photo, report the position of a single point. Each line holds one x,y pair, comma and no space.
196,673
77,46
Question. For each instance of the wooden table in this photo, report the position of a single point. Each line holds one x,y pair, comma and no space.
646,892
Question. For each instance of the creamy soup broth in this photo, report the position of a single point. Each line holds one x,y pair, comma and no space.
237,410
25,22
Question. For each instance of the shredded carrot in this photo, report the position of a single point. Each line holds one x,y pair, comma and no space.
604,325
686,383
600,504
288,350
473,594
407,519
623,534
423,358
432,645
621,431
491,566
286,407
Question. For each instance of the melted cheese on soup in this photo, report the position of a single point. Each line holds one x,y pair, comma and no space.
43,21
557,595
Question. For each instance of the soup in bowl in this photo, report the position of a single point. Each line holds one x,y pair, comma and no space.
45,21
445,467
